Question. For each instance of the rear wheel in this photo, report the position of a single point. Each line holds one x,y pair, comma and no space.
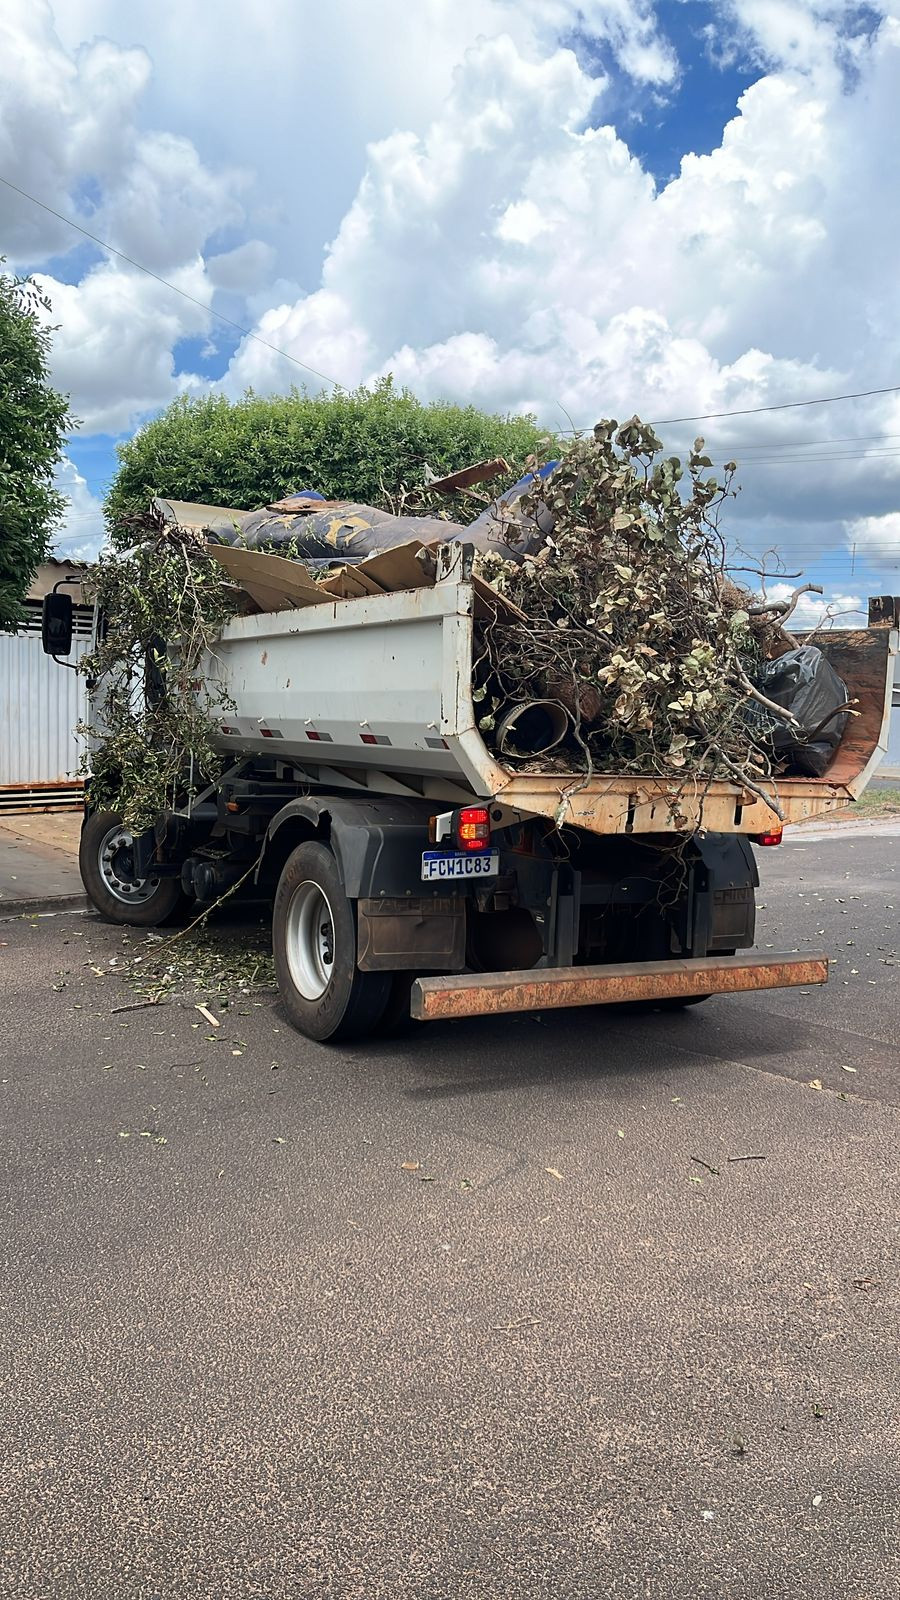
395,1019
314,945
106,863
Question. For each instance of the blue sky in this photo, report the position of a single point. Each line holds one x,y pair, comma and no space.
664,125
580,208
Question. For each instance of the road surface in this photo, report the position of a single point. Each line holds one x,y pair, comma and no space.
466,1316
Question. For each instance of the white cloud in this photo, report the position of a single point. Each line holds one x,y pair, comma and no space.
242,269
113,349
491,240
295,90
319,331
81,532
70,134
63,118
510,255
877,539
166,203
510,246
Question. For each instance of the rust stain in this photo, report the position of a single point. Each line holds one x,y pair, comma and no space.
483,994
862,658
480,472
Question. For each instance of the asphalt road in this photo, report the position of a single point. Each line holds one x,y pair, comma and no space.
253,1350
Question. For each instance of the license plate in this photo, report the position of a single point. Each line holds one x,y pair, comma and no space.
439,864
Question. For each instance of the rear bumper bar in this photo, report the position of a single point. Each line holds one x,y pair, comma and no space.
484,993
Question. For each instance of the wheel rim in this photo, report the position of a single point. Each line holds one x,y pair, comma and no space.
112,858
310,940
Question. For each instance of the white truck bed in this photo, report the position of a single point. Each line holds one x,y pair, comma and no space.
375,693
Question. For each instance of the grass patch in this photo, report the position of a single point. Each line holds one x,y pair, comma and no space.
877,803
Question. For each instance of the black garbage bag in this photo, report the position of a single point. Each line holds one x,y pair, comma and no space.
805,683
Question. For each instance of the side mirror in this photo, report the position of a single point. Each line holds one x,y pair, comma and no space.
56,625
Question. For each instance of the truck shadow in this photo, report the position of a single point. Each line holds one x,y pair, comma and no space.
488,1055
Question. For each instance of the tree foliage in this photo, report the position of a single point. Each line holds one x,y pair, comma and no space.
34,420
151,740
366,445
633,626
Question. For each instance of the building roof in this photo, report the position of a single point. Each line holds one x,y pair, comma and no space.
49,572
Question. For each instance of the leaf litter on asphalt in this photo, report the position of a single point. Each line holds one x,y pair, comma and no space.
221,964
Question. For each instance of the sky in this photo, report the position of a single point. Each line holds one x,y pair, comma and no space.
581,210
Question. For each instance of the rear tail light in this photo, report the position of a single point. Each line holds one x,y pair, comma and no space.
473,828
775,837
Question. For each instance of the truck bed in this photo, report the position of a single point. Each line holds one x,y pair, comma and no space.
375,693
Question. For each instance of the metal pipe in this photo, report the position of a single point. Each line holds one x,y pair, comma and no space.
532,728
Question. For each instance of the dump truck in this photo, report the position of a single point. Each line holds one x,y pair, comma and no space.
413,875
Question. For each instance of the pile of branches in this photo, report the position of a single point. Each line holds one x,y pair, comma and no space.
630,622
150,742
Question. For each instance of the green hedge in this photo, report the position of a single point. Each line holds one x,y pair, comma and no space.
360,446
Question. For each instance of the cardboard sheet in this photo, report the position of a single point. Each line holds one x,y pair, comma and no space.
273,582
276,584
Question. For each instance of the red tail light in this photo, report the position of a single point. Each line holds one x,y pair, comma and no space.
473,828
775,837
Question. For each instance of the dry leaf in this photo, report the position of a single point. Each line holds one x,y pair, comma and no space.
554,1173
815,1083
410,1166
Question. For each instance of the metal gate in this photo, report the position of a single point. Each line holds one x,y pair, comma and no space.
40,704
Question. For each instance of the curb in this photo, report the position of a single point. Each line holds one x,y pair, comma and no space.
30,908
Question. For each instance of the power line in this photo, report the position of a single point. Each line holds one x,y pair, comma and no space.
802,461
752,411
814,444
707,416
168,285
786,405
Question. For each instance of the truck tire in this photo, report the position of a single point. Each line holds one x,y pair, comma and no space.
314,946
104,860
395,1021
